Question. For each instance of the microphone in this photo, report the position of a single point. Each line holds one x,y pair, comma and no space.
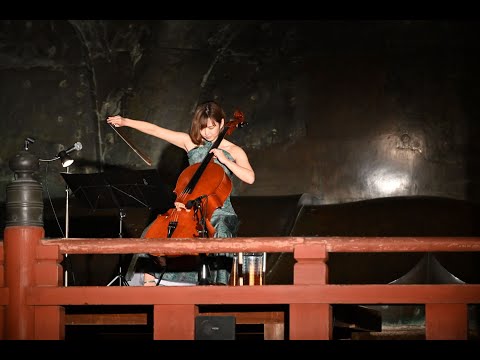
75,147
62,155
196,201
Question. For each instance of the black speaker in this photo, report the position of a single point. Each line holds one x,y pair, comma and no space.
215,328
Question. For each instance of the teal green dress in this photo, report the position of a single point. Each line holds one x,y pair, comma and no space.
224,220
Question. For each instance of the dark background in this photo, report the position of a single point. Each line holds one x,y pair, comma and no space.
344,110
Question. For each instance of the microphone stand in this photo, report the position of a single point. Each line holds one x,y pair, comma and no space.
77,146
67,194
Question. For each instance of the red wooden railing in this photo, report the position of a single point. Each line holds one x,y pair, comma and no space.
32,297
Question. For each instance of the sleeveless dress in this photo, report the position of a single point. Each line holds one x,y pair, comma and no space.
224,220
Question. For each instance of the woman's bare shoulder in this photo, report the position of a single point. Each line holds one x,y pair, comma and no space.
232,148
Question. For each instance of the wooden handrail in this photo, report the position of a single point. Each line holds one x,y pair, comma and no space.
263,244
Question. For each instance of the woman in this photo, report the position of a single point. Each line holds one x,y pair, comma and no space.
207,123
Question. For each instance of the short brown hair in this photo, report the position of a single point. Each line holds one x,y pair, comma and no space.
204,111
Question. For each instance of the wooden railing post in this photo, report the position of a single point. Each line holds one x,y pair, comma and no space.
446,321
310,321
3,297
20,243
174,322
49,320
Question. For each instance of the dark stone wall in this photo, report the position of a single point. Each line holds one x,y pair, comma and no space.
343,110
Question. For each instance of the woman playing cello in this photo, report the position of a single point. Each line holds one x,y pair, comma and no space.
206,127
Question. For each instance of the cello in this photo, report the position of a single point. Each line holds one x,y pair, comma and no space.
203,185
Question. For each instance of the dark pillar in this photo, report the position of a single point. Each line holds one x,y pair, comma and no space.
24,194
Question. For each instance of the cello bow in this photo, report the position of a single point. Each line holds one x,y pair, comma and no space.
130,144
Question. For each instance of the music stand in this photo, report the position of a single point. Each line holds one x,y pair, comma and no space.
119,190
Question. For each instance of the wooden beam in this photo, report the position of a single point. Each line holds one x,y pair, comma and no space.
268,294
106,319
